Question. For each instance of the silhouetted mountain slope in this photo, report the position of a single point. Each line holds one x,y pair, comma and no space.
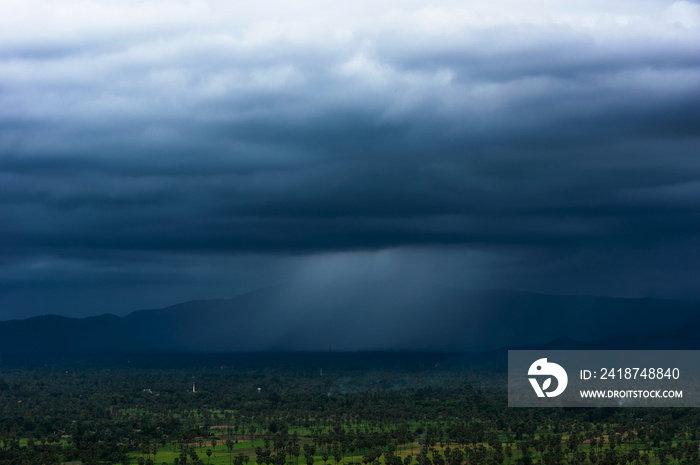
370,318
683,338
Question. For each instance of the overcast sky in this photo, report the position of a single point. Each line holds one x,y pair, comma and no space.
158,151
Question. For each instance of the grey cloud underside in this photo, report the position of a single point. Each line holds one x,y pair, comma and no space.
571,158
555,196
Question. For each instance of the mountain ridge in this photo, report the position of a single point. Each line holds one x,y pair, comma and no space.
271,319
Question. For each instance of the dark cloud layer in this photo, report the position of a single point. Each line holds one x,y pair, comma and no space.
212,152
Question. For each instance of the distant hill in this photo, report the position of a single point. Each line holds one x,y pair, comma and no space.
287,319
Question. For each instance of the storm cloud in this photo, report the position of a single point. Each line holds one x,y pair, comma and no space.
152,152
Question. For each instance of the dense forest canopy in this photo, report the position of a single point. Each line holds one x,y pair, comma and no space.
399,409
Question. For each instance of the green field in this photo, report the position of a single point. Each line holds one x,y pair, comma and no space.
290,415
